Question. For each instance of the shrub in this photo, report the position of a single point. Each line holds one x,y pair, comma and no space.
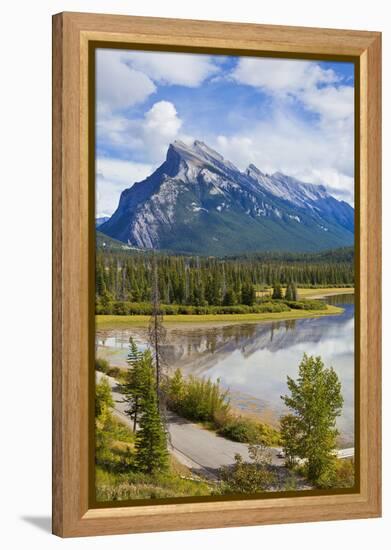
102,365
120,308
141,308
307,304
241,429
246,430
114,372
197,399
340,475
277,292
249,477
203,400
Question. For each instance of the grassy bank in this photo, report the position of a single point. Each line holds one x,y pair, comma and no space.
308,293
177,482
204,401
113,321
318,292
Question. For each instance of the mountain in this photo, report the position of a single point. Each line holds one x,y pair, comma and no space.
198,202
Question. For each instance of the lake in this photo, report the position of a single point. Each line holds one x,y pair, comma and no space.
253,360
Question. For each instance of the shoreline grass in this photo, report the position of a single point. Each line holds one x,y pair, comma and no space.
323,292
308,292
109,321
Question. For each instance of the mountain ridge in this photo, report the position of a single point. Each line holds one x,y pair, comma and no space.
199,202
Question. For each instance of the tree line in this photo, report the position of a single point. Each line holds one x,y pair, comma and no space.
202,281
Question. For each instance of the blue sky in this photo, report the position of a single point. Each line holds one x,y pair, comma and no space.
279,114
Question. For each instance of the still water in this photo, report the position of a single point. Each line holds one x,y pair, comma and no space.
253,360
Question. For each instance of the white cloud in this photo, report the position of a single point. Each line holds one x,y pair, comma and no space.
281,76
112,177
125,78
318,89
338,184
331,103
148,136
160,127
119,132
316,154
117,85
317,151
173,68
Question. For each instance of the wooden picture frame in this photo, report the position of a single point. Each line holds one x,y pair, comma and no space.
72,328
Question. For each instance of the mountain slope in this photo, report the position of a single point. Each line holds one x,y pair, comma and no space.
198,202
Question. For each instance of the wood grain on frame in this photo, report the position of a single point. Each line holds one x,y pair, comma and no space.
71,35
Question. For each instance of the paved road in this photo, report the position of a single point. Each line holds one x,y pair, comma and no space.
204,447
345,453
201,450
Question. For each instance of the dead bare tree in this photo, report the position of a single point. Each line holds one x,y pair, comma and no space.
157,335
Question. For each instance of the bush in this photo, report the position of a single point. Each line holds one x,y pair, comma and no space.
307,304
197,399
246,430
249,477
102,365
242,430
114,372
120,308
339,476
141,308
204,401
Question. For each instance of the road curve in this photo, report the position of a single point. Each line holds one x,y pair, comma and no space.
199,449
195,447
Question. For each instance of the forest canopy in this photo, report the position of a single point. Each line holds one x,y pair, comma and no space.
126,276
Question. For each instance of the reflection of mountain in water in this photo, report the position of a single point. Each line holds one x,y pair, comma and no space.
198,349
254,360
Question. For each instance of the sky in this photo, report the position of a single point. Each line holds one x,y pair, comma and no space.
286,115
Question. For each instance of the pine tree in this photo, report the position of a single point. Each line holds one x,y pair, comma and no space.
288,293
248,294
205,280
291,292
294,292
151,440
133,386
277,292
229,298
100,280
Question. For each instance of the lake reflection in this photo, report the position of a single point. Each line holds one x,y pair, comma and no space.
254,359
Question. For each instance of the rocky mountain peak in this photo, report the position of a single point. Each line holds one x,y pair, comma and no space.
253,171
199,202
198,155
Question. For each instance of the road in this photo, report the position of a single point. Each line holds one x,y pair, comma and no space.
199,449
